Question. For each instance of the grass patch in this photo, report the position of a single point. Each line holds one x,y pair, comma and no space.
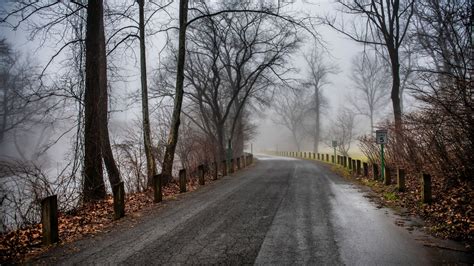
391,196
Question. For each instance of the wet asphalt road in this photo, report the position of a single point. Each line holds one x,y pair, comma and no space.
280,211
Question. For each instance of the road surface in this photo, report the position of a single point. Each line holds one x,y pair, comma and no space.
279,211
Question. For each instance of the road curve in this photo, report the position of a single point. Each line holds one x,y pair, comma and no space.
279,211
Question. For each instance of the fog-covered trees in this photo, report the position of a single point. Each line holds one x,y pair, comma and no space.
20,104
292,113
384,26
371,80
317,77
233,60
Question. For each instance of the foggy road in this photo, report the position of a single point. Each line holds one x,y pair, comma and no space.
279,211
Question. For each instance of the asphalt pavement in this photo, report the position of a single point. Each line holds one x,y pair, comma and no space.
280,211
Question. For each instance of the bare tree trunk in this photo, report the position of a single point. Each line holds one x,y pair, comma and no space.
3,126
107,155
94,187
178,99
221,144
150,160
395,95
317,126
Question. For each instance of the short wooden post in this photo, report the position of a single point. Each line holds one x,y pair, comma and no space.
224,168
375,171
366,169
182,181
353,166
318,157
327,157
158,197
388,176
358,164
231,166
215,171
401,179
332,158
49,219
201,175
426,188
119,200
350,163
238,163
242,161
344,161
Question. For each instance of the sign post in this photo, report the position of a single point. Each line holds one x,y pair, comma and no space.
381,138
334,145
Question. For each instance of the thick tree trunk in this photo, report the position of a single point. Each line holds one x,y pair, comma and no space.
150,160
178,99
395,95
94,188
112,169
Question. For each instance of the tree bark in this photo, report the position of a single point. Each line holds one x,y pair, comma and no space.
150,159
395,95
317,126
94,187
178,99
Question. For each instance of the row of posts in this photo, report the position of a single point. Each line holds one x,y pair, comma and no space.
357,167
49,205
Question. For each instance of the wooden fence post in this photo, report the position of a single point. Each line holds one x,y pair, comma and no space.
366,169
350,163
224,168
375,171
231,166
388,176
215,170
353,166
158,197
182,181
333,159
202,182
358,164
327,157
318,156
401,179
426,188
119,200
49,219
243,162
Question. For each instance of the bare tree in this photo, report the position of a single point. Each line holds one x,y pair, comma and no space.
442,38
291,111
343,130
20,102
183,8
385,25
372,84
317,77
125,30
